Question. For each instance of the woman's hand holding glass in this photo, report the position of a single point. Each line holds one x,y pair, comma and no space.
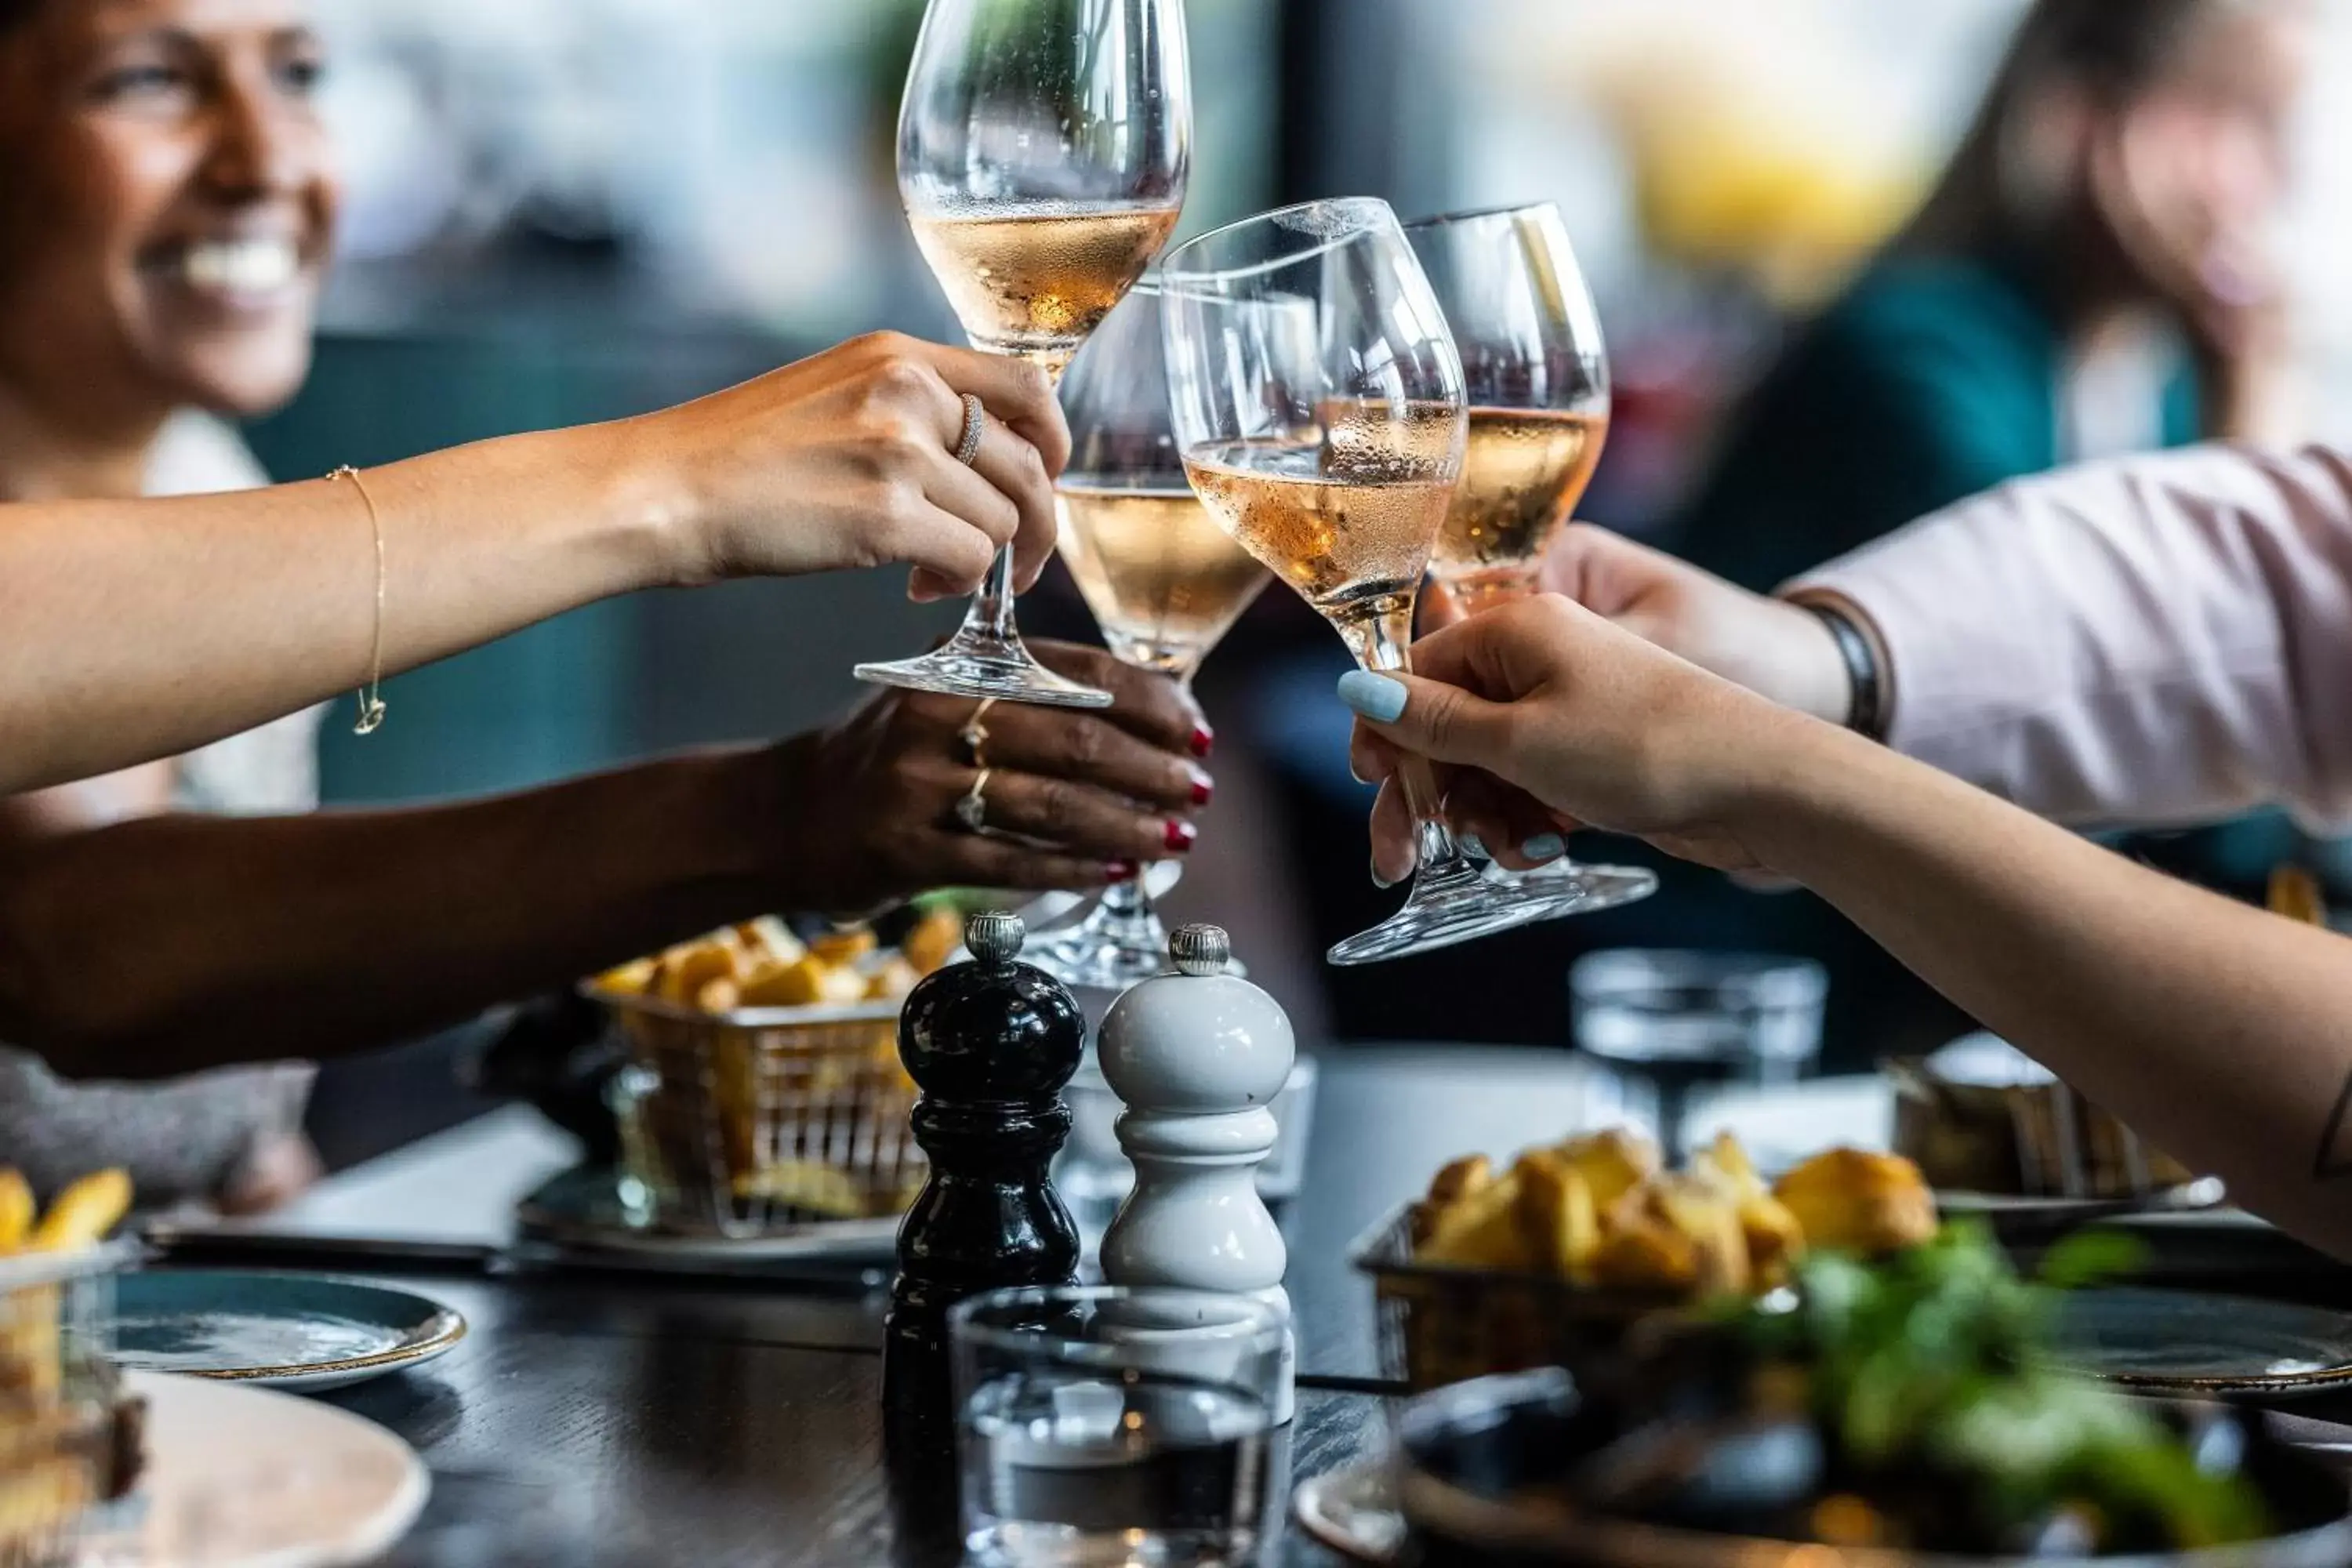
1769,645
1542,717
848,460
867,810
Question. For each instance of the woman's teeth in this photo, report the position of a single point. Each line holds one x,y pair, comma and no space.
241,265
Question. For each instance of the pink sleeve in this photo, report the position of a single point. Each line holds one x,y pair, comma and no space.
2162,639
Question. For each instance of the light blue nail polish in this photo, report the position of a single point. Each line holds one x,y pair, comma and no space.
1474,846
1544,847
1376,697
1382,883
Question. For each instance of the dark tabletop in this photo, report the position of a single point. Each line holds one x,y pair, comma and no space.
640,1420
645,1420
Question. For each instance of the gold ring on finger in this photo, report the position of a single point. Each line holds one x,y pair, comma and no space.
972,809
975,733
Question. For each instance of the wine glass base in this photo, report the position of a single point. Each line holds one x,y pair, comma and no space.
1465,901
1107,952
1605,887
981,666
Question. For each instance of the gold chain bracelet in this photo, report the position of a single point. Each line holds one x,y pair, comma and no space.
370,696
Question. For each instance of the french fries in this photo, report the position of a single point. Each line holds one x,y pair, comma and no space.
755,1113
84,1212
761,963
49,1477
1598,1210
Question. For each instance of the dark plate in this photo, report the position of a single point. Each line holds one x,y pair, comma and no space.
2183,1341
301,1331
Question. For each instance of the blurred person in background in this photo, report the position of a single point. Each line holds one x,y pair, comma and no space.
165,224
2089,276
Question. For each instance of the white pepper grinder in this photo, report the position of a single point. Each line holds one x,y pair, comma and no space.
1197,1057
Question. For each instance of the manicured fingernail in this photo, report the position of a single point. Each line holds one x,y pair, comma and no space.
1204,788
1120,871
1205,739
1180,836
1382,883
1544,847
1474,846
1376,697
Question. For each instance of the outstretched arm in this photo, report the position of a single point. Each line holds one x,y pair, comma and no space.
2219,1030
2158,639
131,630
161,946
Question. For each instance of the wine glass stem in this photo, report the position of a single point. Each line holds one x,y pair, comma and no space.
990,614
1382,643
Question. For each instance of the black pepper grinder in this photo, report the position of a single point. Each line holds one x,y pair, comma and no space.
990,1043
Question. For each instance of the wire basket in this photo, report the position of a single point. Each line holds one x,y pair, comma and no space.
67,1437
744,1124
1439,1323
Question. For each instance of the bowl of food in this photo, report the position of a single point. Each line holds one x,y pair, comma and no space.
68,1435
1872,1415
763,1089
1556,1258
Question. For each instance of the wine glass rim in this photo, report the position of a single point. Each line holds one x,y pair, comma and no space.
1369,214
1475,215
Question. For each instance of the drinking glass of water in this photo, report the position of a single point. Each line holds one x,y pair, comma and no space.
1681,1022
1115,1426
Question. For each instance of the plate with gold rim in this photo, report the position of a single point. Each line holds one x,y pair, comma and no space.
2189,1343
301,1331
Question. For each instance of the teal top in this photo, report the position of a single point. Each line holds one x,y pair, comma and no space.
1932,379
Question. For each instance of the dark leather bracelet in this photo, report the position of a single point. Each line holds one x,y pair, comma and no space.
1867,709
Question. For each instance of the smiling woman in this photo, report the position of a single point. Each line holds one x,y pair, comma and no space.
165,243
160,253
165,224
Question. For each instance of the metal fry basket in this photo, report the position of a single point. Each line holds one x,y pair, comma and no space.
743,1123
1440,1324
67,1437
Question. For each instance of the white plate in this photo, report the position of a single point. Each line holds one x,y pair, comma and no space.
239,1477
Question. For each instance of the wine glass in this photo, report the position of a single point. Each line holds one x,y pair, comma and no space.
1164,582
1535,375
1043,147
1318,400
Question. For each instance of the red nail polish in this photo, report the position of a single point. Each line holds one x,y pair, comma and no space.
1204,789
1120,871
1180,836
1205,739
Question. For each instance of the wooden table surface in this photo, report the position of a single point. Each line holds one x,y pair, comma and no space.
594,1417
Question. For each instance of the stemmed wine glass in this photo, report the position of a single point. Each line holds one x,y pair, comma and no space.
1164,582
1331,454
1043,147
1535,375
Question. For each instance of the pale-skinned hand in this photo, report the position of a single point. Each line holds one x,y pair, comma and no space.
847,459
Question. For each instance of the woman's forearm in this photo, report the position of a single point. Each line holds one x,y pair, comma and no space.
2221,1031
173,944
134,630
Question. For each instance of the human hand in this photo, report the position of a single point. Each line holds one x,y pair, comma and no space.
1544,717
1767,645
868,808
278,1169
847,459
